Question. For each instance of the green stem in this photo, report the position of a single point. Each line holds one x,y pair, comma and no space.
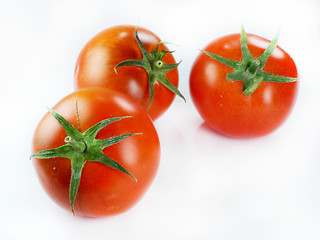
253,67
78,146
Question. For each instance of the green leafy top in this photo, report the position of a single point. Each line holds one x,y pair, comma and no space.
154,66
250,70
83,147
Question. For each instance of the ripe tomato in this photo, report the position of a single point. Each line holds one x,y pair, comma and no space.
102,190
222,104
95,67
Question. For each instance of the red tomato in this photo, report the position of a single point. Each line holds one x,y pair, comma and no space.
102,191
96,62
222,104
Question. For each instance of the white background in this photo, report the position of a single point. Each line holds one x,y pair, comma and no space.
208,186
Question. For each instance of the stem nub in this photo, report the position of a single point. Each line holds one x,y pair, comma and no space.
253,67
159,64
78,146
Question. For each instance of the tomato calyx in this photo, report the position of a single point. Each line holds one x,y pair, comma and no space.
83,147
154,66
249,70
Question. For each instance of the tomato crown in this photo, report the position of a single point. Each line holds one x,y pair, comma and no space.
83,147
250,70
154,66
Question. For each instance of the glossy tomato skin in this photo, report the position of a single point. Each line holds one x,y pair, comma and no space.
222,104
103,191
96,62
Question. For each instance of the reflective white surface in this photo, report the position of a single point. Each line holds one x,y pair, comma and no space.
208,186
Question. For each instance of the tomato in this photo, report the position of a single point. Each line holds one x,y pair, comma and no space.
221,102
95,67
102,190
